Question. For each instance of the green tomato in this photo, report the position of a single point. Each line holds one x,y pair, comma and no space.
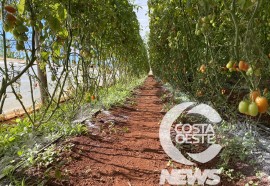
253,109
16,33
243,107
229,65
19,46
21,29
23,37
249,71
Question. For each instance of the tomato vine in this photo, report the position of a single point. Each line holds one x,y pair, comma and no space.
191,43
83,44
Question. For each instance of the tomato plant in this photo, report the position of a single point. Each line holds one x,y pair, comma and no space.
230,38
84,47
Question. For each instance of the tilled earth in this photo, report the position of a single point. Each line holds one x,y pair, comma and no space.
129,152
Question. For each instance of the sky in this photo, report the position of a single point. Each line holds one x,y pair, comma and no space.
142,15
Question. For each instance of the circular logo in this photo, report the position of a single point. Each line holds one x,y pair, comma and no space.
165,132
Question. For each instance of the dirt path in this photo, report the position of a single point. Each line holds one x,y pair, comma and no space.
124,158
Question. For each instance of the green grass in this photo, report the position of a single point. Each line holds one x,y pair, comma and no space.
118,93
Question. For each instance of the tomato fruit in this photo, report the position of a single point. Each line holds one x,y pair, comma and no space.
249,71
19,45
10,18
93,97
246,67
199,93
262,104
243,66
254,94
223,91
243,107
10,9
203,68
253,109
229,65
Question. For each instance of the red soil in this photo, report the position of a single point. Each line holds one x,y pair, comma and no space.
129,158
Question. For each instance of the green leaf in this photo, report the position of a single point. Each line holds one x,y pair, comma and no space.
42,65
56,49
62,13
45,55
8,169
244,4
54,24
20,153
21,6
63,33
12,138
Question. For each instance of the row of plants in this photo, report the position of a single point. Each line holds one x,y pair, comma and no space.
82,44
217,51
76,51
22,147
238,143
